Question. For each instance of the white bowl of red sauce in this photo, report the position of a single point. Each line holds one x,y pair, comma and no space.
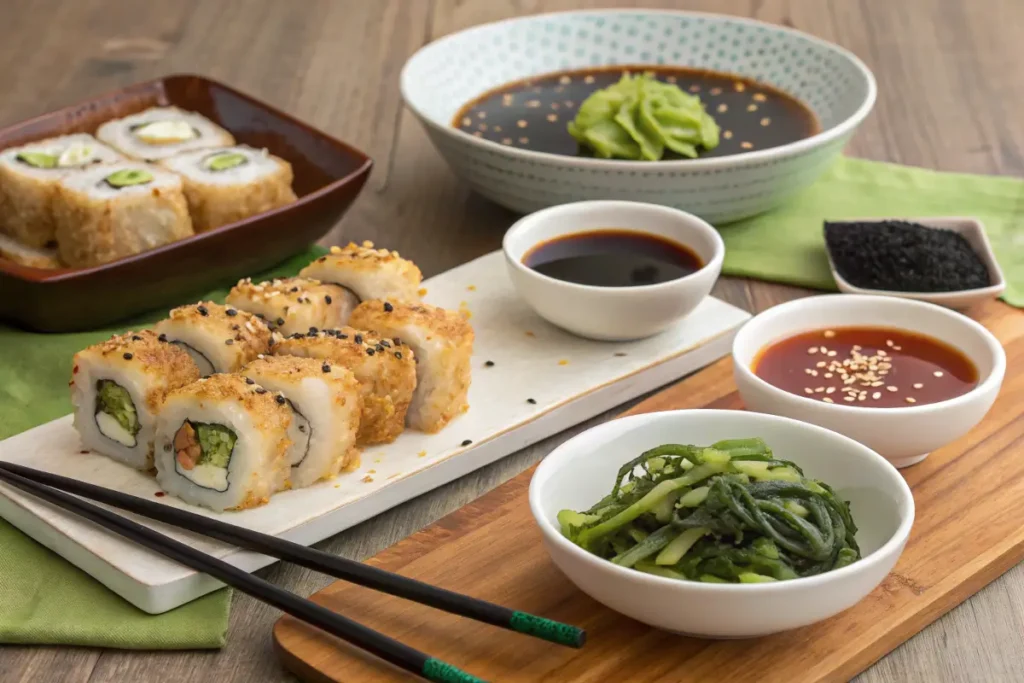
613,270
901,377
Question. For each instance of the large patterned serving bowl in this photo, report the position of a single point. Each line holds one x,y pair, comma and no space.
443,76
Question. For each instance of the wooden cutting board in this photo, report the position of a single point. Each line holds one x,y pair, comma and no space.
968,531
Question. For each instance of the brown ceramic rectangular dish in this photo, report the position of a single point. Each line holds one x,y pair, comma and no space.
328,176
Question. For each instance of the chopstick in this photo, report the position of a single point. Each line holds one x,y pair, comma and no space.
338,567
382,646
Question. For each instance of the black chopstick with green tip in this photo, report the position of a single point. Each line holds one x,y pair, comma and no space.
386,648
338,567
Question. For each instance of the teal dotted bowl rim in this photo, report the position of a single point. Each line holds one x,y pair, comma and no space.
844,128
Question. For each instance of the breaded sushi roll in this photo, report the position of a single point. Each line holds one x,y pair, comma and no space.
118,388
368,273
218,338
28,182
222,443
294,304
326,404
161,132
110,211
228,184
34,257
386,371
443,343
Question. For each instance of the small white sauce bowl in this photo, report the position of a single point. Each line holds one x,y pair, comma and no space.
613,313
581,471
904,436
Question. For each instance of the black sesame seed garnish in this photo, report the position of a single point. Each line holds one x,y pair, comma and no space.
260,316
489,364
398,355
380,348
298,335
281,399
388,307
136,337
467,442
202,310
313,331
398,341
127,356
232,312
385,343
261,390
294,289
229,342
358,339
327,298
280,321
532,401
325,367
250,380
342,336
619,353
162,337
236,328
369,352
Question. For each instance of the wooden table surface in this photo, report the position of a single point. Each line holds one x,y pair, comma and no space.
950,98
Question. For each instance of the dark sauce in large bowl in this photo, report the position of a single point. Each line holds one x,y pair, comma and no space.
533,114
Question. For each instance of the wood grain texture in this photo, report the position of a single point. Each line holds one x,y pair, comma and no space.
334,63
969,496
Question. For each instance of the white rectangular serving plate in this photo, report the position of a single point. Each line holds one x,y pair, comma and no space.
569,378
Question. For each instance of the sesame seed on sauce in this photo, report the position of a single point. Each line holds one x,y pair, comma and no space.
162,337
467,442
127,356
489,364
280,399
232,312
388,307
250,380
328,299
325,367
202,310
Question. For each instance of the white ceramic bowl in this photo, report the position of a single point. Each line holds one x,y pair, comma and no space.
974,232
904,436
613,313
445,75
581,471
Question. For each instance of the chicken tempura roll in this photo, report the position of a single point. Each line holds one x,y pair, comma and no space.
219,338
222,443
326,404
386,371
118,387
368,273
294,304
443,343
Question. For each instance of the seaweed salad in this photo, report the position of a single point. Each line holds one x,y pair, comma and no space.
726,513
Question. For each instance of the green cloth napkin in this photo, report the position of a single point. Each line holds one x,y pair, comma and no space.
787,244
43,598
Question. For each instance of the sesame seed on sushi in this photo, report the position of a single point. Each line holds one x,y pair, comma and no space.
368,273
443,343
29,175
205,329
118,388
110,211
161,132
228,184
385,370
300,302
326,404
222,443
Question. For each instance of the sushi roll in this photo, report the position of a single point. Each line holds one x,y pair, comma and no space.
34,257
294,304
229,184
110,211
28,182
326,405
218,338
161,132
222,443
385,369
117,389
443,343
368,273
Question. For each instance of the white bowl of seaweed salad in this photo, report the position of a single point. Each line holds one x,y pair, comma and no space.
942,260
721,523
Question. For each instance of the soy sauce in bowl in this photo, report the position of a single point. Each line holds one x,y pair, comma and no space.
612,258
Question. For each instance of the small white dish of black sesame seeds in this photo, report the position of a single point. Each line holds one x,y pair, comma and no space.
873,391
941,260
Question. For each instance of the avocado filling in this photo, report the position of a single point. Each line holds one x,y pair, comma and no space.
223,161
38,159
167,132
116,417
203,451
128,177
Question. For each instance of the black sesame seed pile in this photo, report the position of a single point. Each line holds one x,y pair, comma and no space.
904,257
